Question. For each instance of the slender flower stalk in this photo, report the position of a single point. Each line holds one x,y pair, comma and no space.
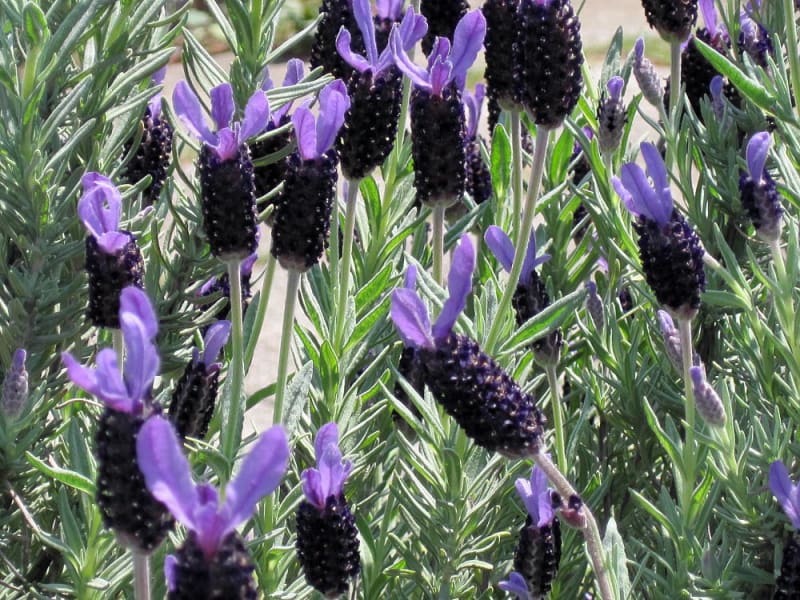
689,447
232,431
346,259
213,561
284,354
438,244
141,576
263,303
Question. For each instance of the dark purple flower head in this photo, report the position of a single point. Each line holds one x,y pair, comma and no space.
411,30
169,478
154,104
516,584
537,497
215,338
125,393
651,198
754,38
503,249
294,74
315,136
100,208
225,141
410,315
389,9
757,151
445,64
474,104
328,478
786,493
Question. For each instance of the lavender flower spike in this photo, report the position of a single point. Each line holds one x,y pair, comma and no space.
125,393
445,64
643,199
315,136
759,193
225,141
503,249
646,75
516,584
327,538
786,493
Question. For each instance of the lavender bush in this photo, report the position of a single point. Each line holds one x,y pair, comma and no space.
652,347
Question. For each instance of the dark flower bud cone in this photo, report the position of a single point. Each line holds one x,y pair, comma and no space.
529,300
501,34
108,275
763,206
625,299
482,398
193,400
577,218
787,585
228,574
139,520
479,178
409,367
152,157
437,146
673,19
327,546
611,120
442,17
335,15
229,203
269,176
370,124
672,260
537,555
550,60
303,214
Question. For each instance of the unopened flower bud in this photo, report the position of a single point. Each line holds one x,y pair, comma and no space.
15,387
594,306
611,117
707,401
646,76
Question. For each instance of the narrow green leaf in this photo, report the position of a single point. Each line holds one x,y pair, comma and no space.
297,397
546,321
65,476
500,162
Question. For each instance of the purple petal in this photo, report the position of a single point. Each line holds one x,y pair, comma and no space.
113,241
615,85
329,476
18,359
136,301
529,262
171,572
440,52
246,268
166,470
418,76
516,584
657,171
638,49
363,16
333,104
389,9
355,60
215,339
154,106
642,199
459,284
305,132
84,377
266,81
473,103
716,87
327,435
209,525
256,116
709,16
227,144
295,71
261,472
757,151
410,318
410,280
100,205
500,245
665,323
190,112
413,28
467,42
544,500
222,105
441,75
141,357
529,498
785,492
312,487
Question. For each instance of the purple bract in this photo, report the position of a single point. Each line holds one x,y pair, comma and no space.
315,136
516,584
503,249
786,493
100,208
642,198
294,74
537,497
328,478
757,151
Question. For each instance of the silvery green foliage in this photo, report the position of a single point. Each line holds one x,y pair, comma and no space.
436,515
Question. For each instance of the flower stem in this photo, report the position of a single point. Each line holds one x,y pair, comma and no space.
516,166
689,451
674,97
590,530
263,304
347,252
558,417
438,243
539,152
141,576
292,285
232,429
791,47
118,343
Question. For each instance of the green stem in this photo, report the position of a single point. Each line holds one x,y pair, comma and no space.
516,168
674,97
232,429
539,152
118,343
689,450
558,417
791,50
438,243
590,530
263,304
347,256
292,285
141,576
